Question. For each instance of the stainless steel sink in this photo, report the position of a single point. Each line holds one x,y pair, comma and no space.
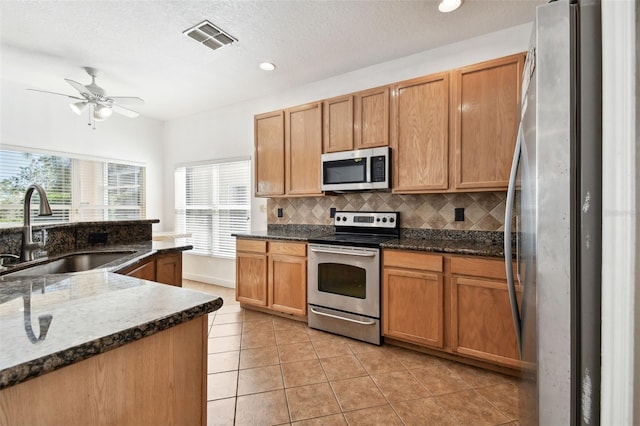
72,263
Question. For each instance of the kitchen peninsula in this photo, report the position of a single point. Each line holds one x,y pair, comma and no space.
99,347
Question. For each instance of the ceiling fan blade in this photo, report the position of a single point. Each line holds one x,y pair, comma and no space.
80,88
127,99
55,93
124,111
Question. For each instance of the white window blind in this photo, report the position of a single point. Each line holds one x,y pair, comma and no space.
77,189
212,201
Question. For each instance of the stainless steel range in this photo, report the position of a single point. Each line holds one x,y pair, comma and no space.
344,274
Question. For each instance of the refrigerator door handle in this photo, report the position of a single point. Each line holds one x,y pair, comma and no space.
508,259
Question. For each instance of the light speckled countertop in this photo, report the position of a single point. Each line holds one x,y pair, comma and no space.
91,312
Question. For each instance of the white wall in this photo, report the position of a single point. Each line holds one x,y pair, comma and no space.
45,122
228,131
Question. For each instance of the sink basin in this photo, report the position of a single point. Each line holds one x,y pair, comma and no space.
72,263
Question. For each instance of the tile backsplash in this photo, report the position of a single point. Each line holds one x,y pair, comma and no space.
483,211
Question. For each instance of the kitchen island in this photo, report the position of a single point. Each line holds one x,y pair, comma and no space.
97,347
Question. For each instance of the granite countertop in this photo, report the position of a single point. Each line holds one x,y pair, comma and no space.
475,243
90,312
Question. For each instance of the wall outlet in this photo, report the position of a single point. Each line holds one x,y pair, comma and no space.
280,213
459,214
332,212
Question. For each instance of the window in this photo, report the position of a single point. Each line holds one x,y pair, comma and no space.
212,202
77,189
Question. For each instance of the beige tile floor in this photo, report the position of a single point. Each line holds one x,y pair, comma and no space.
267,370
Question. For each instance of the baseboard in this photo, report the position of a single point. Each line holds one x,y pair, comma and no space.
209,280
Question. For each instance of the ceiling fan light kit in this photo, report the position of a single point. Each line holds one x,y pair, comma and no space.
100,105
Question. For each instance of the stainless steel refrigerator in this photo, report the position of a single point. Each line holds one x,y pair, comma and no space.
554,215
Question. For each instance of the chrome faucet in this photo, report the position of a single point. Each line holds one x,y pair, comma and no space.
28,246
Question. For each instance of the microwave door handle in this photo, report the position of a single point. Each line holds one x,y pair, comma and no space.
350,253
368,167
508,259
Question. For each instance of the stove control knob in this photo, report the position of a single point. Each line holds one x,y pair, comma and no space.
378,219
384,220
391,220
344,218
337,218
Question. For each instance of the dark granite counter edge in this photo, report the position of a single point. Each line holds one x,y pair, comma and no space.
37,226
28,370
271,237
398,245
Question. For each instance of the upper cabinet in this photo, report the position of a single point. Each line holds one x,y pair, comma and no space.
269,153
449,132
303,148
485,121
356,121
420,134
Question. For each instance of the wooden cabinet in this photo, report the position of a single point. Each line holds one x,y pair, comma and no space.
481,322
486,117
269,154
303,148
165,268
338,124
356,121
169,269
272,274
145,271
413,297
288,277
420,134
251,272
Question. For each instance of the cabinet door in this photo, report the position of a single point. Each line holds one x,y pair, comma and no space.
146,271
251,278
303,149
487,97
420,134
288,284
413,305
371,123
269,153
338,124
169,269
481,322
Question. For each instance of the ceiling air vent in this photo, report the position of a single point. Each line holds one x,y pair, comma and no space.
211,36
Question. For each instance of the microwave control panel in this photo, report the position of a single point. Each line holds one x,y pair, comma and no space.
378,168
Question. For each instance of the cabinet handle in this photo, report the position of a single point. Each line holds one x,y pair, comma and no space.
342,318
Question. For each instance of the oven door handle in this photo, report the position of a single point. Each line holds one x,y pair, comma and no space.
342,318
350,253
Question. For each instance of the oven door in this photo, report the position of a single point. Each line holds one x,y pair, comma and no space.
344,278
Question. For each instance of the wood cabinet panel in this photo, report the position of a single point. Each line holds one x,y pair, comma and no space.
288,248
371,121
288,284
420,134
269,154
481,323
157,380
487,97
413,260
251,278
169,269
258,246
303,148
145,271
338,124
413,306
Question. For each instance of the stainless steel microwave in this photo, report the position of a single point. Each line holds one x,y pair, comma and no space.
357,170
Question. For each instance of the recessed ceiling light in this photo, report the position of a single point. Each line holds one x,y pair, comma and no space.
267,66
446,6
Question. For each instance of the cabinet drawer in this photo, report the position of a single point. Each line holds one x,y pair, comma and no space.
478,267
287,247
256,246
412,260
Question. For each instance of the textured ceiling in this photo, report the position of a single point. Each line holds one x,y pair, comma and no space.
141,51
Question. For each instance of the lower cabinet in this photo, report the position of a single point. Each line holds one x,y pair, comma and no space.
413,297
165,268
272,275
455,304
481,322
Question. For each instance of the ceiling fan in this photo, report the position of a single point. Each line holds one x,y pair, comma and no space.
95,98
